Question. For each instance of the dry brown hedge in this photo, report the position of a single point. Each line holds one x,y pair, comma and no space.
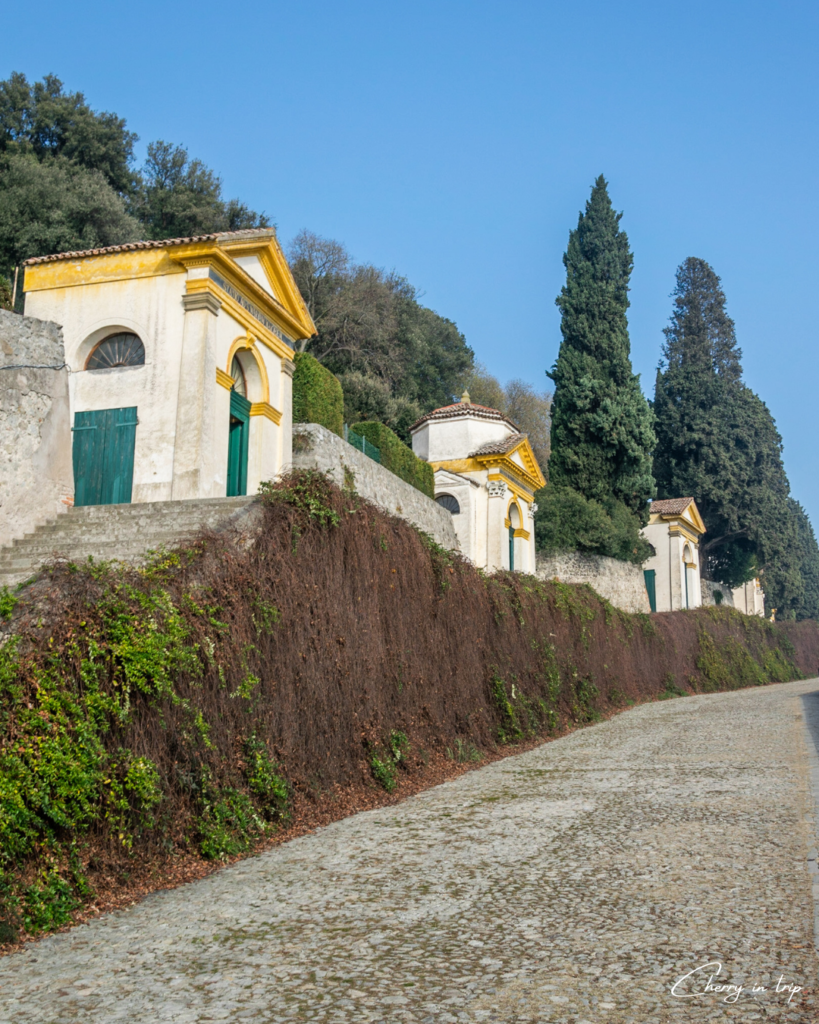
378,632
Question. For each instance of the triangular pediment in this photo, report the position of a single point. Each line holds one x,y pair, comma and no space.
261,258
252,265
692,516
522,459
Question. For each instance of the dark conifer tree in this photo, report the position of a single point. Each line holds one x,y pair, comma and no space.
717,441
808,607
602,434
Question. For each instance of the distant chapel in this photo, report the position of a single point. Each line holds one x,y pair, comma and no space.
486,475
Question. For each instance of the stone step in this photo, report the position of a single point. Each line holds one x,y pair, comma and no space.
120,529
114,533
120,550
127,513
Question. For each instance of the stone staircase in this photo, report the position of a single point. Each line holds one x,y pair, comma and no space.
123,532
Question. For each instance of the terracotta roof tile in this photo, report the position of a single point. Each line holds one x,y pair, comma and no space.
499,447
670,506
160,243
482,412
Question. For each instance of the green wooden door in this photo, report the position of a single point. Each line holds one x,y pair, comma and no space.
239,432
650,576
103,450
512,548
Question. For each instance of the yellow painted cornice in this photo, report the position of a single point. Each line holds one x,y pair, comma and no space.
459,466
288,312
265,409
224,379
524,534
115,266
510,468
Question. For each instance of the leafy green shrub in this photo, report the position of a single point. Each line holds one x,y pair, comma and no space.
317,394
385,761
670,688
264,780
397,457
310,492
566,521
385,770
585,696
367,397
48,903
399,746
228,825
521,717
7,603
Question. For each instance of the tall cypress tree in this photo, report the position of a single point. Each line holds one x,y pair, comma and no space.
717,441
602,434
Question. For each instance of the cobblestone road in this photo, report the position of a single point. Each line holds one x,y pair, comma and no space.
574,883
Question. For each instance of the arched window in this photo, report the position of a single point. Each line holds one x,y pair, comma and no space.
687,555
449,502
123,349
238,375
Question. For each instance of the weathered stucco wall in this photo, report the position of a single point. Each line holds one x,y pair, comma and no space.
748,599
315,447
36,476
621,583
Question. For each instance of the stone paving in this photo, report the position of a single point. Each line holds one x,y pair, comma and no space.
573,883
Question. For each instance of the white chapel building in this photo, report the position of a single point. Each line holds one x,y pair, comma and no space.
672,574
486,475
181,361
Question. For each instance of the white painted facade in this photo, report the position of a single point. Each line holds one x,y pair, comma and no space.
674,530
195,304
750,598
483,463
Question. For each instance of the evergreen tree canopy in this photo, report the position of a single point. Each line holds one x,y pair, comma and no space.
602,434
45,121
57,206
717,441
180,196
808,607
68,179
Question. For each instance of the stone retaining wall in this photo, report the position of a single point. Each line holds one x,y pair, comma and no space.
36,474
316,447
621,583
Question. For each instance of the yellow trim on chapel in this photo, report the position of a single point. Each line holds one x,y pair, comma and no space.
265,409
246,343
519,492
530,472
289,313
224,379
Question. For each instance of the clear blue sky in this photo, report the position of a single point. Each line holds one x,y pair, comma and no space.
456,142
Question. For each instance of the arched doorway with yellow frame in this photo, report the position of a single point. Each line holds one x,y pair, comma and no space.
514,524
250,384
